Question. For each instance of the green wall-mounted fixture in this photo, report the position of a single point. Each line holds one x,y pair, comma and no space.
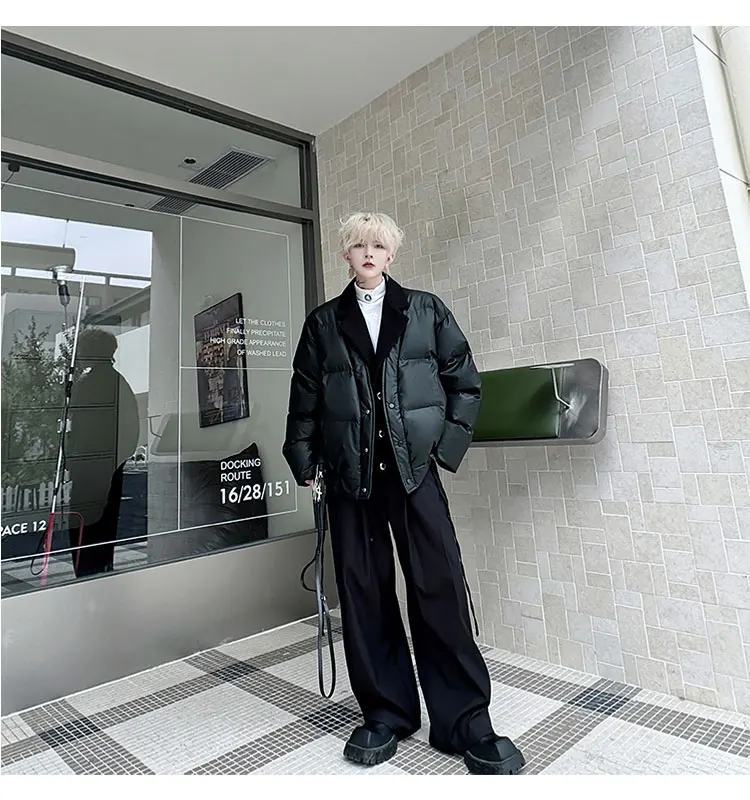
562,403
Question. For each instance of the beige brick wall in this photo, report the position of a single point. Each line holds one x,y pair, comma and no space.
559,189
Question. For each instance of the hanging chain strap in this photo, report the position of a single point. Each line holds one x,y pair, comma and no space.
324,617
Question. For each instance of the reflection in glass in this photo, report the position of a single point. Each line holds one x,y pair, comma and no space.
103,436
151,481
34,364
68,493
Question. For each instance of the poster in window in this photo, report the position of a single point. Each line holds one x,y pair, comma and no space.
221,362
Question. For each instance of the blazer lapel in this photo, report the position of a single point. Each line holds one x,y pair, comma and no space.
353,325
393,321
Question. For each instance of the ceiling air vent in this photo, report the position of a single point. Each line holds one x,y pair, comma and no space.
225,171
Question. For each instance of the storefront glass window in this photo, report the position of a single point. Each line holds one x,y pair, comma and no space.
175,334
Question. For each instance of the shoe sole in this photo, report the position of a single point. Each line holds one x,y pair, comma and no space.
508,766
370,756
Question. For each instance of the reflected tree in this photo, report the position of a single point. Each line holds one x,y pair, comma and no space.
33,377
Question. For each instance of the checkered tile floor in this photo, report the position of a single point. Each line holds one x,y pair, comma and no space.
253,706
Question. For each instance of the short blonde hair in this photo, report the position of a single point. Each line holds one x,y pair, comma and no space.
364,223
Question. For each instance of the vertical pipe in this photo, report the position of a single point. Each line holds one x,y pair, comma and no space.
735,51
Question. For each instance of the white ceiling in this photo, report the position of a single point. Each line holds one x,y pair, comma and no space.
309,78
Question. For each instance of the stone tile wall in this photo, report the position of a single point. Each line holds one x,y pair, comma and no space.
559,189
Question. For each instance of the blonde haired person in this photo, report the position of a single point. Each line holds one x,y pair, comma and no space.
384,390
377,227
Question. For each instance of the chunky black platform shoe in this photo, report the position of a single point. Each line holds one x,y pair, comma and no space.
371,744
494,755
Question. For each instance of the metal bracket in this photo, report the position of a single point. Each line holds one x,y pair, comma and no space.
553,369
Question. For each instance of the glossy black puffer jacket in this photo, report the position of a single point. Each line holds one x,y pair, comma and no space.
424,370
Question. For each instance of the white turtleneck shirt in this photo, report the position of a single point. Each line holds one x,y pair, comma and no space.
371,304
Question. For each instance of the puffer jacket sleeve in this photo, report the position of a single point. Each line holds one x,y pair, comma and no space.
301,442
463,388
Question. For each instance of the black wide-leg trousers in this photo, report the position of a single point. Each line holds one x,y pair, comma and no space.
452,673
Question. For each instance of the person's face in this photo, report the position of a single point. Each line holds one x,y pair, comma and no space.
368,258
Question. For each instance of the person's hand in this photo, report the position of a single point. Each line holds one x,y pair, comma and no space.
309,483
